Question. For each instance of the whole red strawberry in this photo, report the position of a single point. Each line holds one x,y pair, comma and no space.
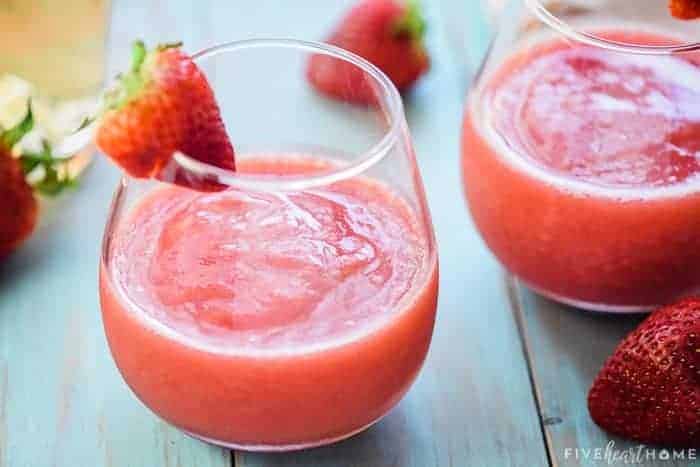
389,34
18,207
162,105
685,9
649,389
18,203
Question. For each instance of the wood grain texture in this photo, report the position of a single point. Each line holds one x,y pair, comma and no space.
566,348
3,414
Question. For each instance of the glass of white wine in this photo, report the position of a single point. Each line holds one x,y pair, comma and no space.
52,51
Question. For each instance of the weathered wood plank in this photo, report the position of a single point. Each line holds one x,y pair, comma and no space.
566,348
472,404
3,413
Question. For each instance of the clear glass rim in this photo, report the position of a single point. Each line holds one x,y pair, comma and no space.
547,17
389,96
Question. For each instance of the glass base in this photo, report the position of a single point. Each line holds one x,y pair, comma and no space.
279,447
591,306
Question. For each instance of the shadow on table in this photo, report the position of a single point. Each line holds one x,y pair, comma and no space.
69,231
21,263
385,443
585,338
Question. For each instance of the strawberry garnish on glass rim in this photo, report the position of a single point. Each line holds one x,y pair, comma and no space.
685,9
649,389
387,33
163,105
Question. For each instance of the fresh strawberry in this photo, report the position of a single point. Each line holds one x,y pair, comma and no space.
162,105
18,207
18,202
685,9
388,33
649,389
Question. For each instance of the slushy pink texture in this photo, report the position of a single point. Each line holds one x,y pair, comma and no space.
270,318
581,171
601,117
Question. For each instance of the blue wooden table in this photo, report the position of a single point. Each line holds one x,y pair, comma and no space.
507,375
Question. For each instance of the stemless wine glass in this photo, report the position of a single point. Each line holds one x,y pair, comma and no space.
294,307
581,151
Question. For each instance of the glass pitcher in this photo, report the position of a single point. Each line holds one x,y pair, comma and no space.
581,151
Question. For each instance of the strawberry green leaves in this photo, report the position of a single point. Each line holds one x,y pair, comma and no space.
54,176
9,138
47,174
411,24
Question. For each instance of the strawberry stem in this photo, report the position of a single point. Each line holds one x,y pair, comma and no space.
85,123
55,177
138,55
10,137
130,83
168,45
411,23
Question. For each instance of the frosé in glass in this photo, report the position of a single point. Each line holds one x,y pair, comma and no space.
581,152
294,307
